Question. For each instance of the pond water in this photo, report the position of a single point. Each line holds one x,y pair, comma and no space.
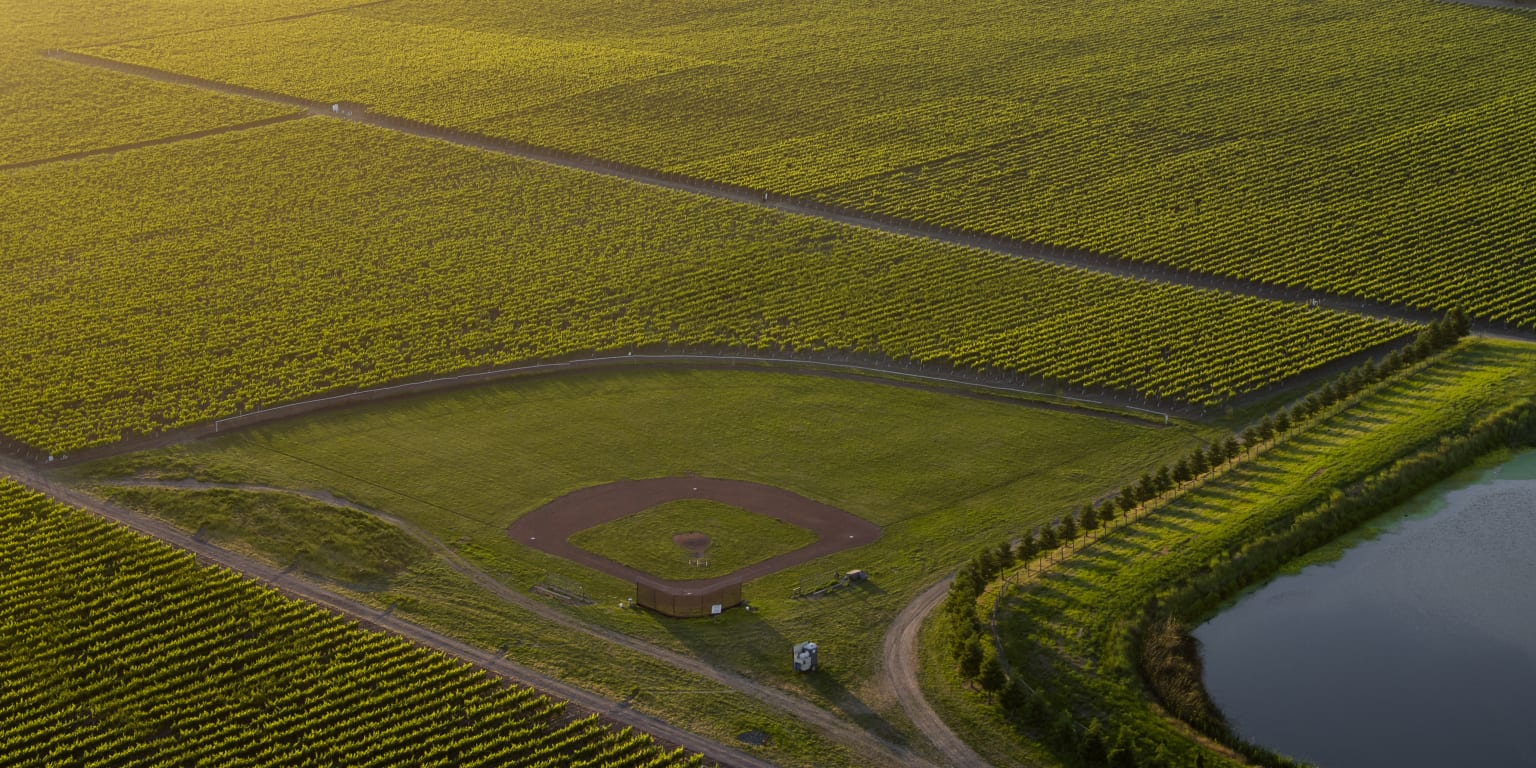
1414,648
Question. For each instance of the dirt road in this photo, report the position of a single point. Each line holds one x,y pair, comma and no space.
370,616
901,661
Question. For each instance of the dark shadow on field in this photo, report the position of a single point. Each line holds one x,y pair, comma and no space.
1211,493
1260,469
1137,537
1157,522
739,628
1101,568
868,586
1045,589
1112,552
1368,421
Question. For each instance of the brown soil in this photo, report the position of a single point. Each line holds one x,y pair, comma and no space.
696,543
548,527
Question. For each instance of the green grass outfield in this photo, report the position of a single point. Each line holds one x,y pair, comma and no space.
737,539
941,473
1063,629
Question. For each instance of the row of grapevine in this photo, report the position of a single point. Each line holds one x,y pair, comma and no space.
205,279
121,650
1454,231
1260,142
400,70
49,108
38,125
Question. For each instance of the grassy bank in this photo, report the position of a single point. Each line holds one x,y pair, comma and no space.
1069,631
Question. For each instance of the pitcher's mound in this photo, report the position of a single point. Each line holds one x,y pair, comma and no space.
696,543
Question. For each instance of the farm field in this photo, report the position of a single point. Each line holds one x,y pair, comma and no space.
178,255
1065,629
940,473
123,649
257,268
1368,149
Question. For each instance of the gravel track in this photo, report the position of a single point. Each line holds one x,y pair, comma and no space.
900,641
892,374
901,662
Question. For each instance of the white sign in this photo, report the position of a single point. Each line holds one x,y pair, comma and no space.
714,610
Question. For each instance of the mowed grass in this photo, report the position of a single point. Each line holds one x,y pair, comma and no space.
734,539
941,473
1063,629
374,563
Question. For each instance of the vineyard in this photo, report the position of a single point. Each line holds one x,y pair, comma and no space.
178,284
121,650
48,108
104,110
1372,149
177,255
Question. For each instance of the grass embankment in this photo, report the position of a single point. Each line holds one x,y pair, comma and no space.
941,474
1070,631
659,540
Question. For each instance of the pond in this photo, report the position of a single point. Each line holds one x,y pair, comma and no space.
1416,647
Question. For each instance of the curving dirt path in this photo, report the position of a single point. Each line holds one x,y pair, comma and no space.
828,724
1080,259
901,662
547,528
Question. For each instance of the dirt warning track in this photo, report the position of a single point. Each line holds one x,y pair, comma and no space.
548,527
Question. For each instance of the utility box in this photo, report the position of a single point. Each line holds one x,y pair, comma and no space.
805,657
